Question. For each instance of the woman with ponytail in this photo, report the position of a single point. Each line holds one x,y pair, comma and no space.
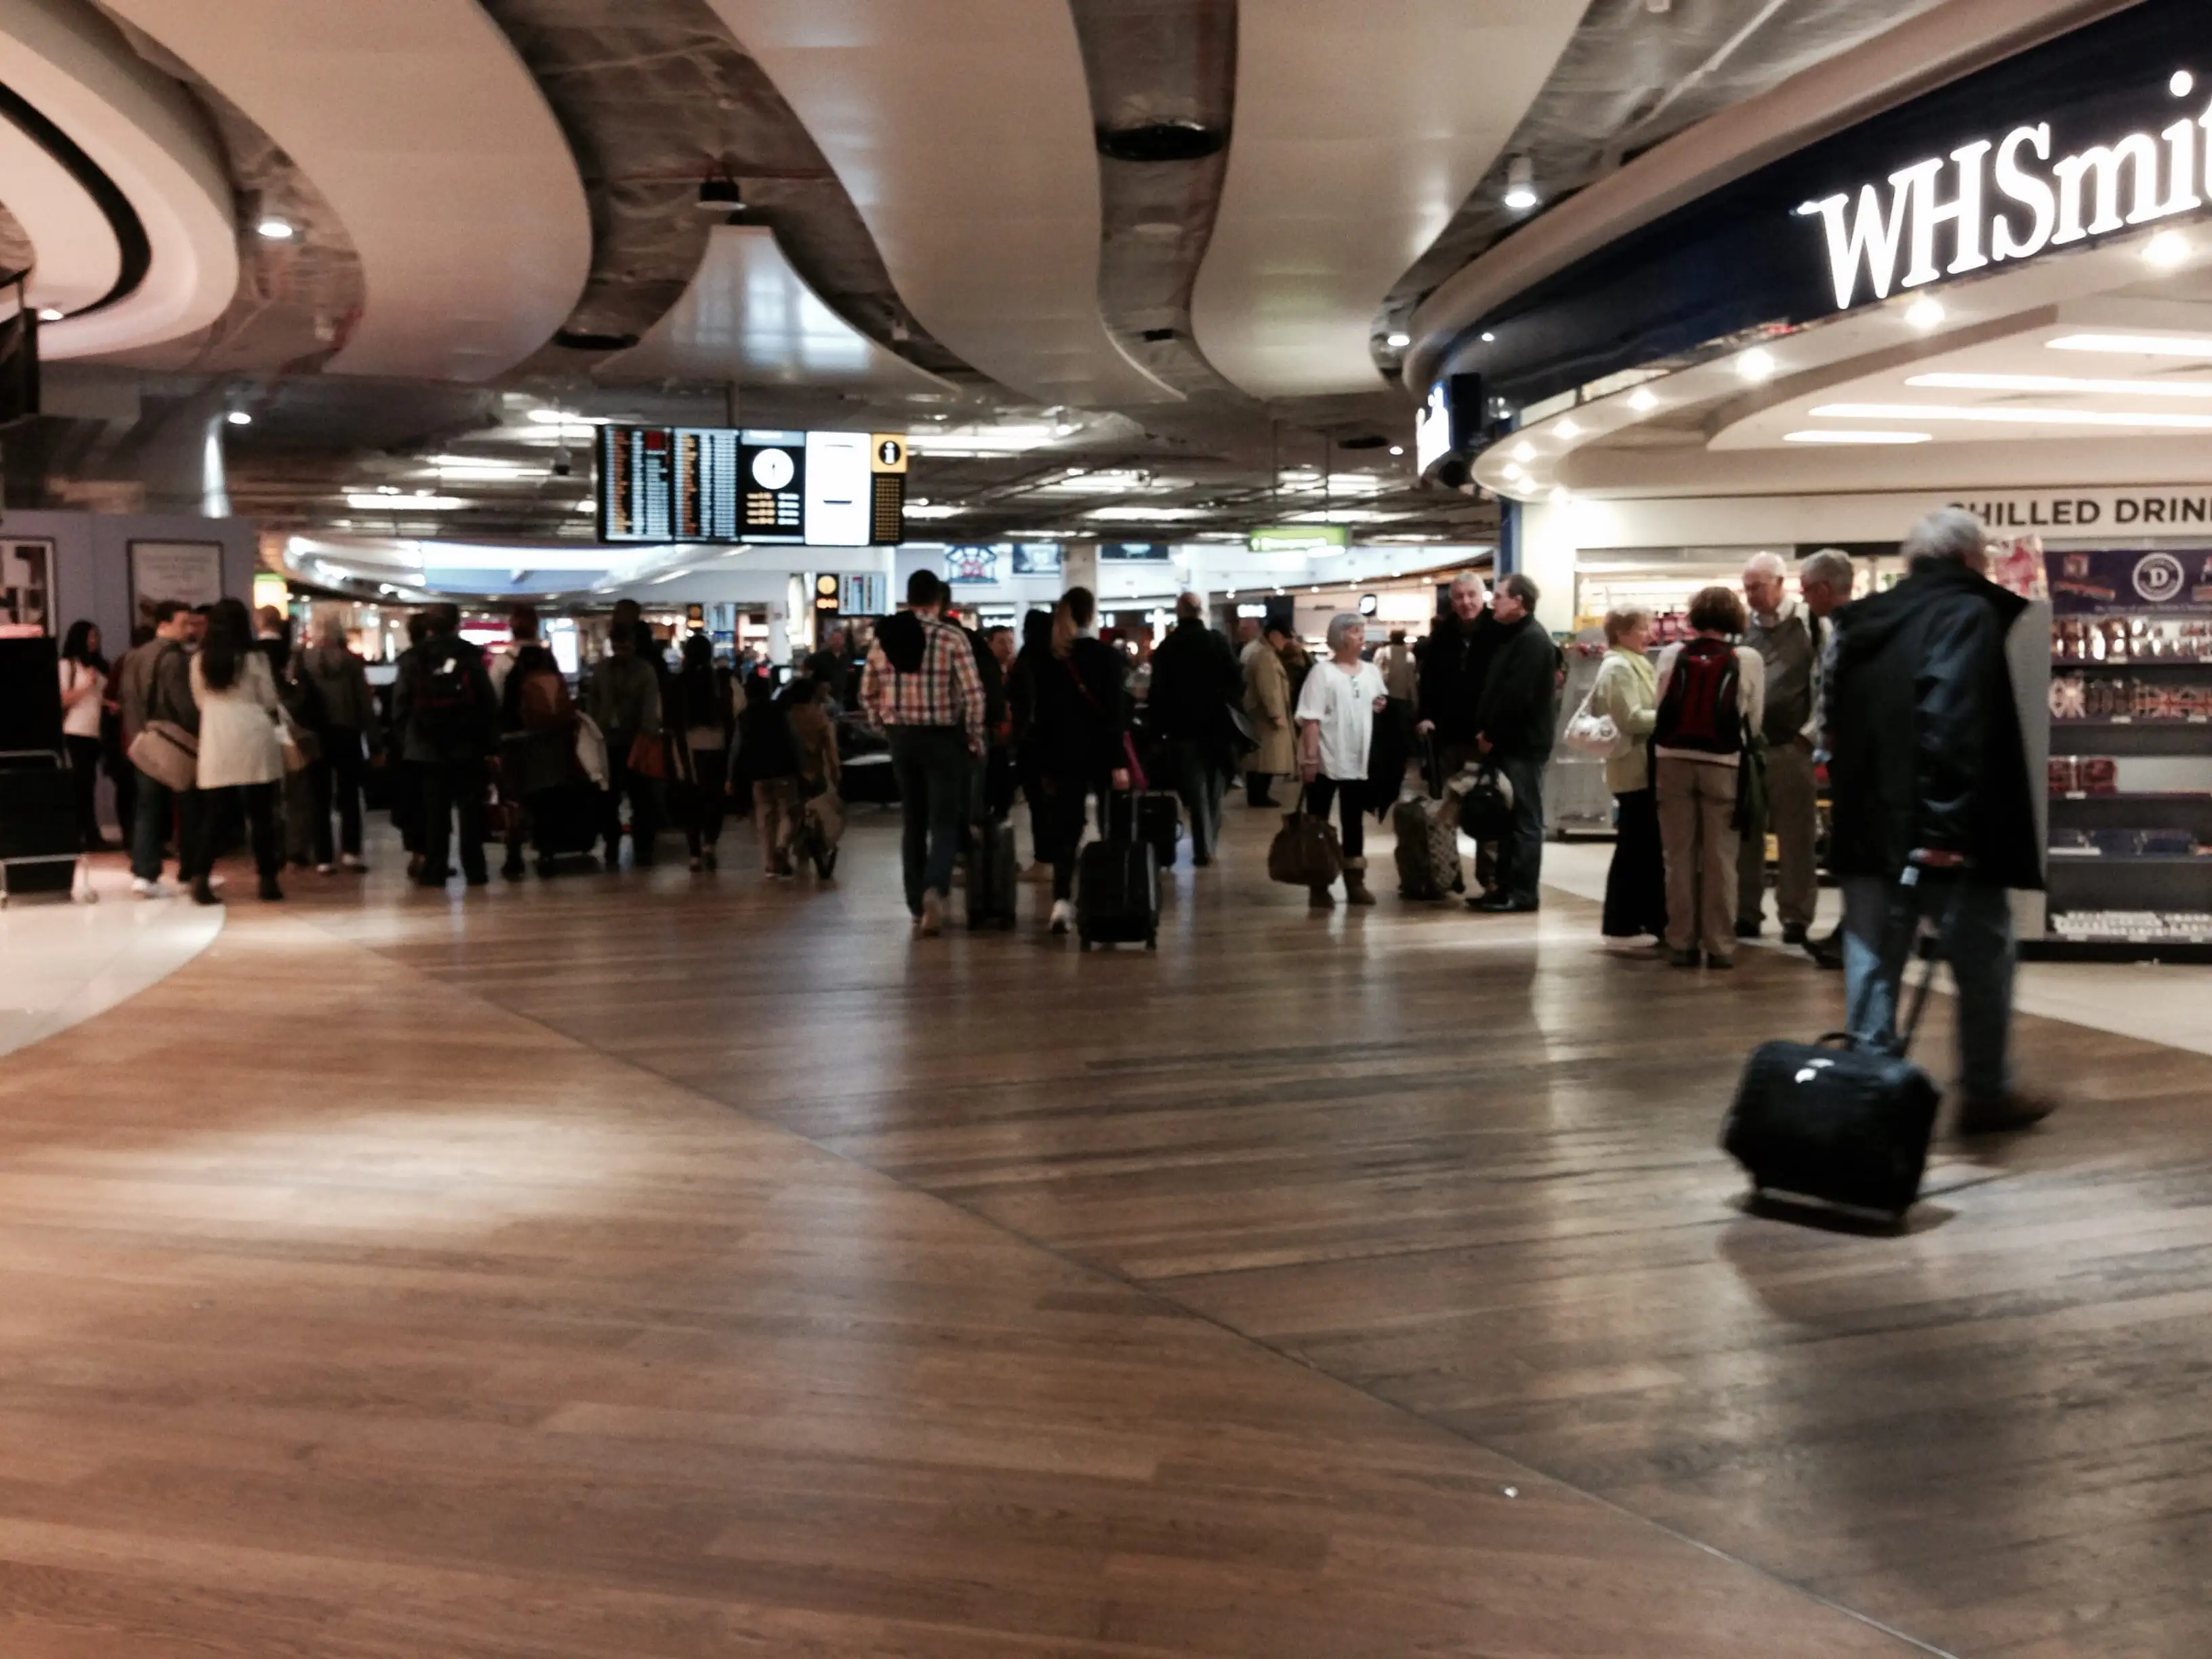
1077,732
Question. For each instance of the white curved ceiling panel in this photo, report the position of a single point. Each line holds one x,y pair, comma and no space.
1360,128
961,129
133,124
78,258
431,142
749,318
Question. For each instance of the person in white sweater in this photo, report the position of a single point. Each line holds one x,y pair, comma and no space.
242,753
1713,696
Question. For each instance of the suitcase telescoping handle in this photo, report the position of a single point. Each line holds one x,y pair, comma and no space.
1907,912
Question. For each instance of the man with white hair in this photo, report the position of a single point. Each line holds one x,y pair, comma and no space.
1933,805
1788,642
1448,695
1826,580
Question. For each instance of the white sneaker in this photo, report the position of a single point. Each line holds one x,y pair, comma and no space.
1633,945
1063,915
216,881
326,869
156,889
353,862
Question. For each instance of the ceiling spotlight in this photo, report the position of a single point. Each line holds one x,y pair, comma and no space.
1525,451
2167,249
1643,399
276,230
1568,428
1398,342
720,196
1514,471
1925,313
1520,183
1397,449
2182,83
1756,364
49,314
1561,495
1487,337
239,418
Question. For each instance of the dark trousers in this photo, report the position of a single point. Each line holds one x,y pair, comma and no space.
158,810
84,777
124,777
1349,796
932,765
1521,853
334,782
1259,789
1201,779
450,787
1058,812
1635,883
644,796
711,767
259,802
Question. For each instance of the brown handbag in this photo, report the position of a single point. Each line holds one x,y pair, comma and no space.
1306,852
648,757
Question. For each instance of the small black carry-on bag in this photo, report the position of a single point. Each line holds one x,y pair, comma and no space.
1117,881
993,875
1834,1121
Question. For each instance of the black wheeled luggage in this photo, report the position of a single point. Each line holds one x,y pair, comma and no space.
1117,894
1152,816
565,823
1832,1120
993,875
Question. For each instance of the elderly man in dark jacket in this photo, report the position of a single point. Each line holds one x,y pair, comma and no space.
1195,680
1514,726
1933,808
1454,663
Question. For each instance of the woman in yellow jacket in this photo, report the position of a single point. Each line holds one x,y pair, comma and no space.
1627,692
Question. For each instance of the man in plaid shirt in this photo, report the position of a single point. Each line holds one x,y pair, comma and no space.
923,688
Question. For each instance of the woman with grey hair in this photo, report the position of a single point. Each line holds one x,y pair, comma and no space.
1627,692
351,730
1337,708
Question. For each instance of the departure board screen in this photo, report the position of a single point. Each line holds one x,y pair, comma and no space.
723,484
635,498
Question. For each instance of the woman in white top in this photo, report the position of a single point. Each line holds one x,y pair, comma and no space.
241,755
1713,696
1336,713
84,689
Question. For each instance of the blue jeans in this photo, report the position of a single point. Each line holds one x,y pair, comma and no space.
1977,943
149,828
1521,854
930,764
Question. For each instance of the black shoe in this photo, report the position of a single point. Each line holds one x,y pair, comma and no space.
1499,905
1828,952
1793,934
1749,929
271,892
203,893
1681,958
513,870
2006,1116
1259,803
480,879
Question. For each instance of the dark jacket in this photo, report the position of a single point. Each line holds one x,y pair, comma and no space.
1453,668
1925,746
158,686
1520,707
1078,721
767,748
431,734
1196,680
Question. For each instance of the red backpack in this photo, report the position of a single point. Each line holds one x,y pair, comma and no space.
1701,710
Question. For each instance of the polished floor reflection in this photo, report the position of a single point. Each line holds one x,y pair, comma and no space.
662,1265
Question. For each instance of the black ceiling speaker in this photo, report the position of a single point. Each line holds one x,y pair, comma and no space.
1162,141
577,339
1365,441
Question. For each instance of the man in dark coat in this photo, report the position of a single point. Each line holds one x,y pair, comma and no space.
1934,809
444,707
1195,680
1514,726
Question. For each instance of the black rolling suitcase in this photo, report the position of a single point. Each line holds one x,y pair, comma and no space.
1117,880
1831,1121
1152,816
565,823
993,875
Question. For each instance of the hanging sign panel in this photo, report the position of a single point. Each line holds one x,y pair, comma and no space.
727,484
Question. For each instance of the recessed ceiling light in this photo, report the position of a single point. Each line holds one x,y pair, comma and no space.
1397,449
1561,495
1513,470
1568,428
276,230
1525,451
50,314
1925,313
2154,419
1520,184
1824,435
2182,84
1398,342
1643,399
1756,364
1962,380
2141,345
239,418
720,196
2166,250
1487,337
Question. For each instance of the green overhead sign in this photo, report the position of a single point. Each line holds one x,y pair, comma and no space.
1301,538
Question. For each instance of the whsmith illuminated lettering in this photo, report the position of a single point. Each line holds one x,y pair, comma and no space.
2013,210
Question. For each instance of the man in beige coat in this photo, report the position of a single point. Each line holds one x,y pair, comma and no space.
1267,701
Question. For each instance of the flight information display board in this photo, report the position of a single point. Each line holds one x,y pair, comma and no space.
731,485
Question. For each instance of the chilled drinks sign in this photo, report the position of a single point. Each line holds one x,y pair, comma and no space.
2001,199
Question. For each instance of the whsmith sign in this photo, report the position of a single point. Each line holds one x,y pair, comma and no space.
2005,199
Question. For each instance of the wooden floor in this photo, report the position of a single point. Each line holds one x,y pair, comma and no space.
660,1265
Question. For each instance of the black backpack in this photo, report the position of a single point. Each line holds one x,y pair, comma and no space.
1702,710
445,707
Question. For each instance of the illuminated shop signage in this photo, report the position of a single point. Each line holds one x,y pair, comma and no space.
1993,200
2143,511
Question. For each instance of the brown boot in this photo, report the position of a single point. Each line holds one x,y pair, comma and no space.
1355,883
1319,898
